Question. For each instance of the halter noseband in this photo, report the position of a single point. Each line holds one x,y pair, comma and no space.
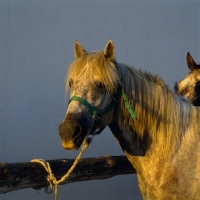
96,113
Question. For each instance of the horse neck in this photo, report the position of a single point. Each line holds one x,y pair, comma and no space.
162,117
126,136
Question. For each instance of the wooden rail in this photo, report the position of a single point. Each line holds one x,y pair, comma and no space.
15,176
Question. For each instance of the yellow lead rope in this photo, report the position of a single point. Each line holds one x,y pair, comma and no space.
51,178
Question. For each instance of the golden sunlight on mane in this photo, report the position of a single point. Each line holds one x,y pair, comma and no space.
95,68
160,112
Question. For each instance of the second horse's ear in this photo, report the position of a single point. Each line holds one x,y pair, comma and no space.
109,50
78,49
191,64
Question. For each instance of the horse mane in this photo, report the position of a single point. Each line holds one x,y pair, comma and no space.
160,113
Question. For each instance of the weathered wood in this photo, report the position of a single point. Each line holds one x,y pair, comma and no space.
15,176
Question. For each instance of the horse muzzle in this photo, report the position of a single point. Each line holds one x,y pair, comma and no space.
72,134
69,145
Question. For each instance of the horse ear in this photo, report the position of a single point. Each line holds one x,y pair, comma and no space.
191,63
78,49
109,50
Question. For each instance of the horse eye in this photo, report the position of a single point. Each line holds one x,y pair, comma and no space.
101,86
70,83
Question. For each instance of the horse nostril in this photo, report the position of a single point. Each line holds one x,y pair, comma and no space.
77,130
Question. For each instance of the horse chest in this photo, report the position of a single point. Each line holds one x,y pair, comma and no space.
159,179
174,177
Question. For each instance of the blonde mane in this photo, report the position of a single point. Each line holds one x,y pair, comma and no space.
94,68
160,113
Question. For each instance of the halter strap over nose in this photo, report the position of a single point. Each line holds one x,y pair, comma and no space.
93,110
96,113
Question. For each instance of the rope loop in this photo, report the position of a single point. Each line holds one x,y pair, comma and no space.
51,179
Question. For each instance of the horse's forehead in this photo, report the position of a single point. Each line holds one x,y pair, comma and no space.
84,86
197,75
86,82
191,78
89,69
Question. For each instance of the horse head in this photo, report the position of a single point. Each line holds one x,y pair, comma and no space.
189,87
92,97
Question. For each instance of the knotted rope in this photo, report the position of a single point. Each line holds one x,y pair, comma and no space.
51,178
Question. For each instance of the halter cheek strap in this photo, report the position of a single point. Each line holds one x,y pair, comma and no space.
127,104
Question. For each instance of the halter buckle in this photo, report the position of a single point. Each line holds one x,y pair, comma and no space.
96,116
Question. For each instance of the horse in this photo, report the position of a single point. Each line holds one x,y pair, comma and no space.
157,130
189,87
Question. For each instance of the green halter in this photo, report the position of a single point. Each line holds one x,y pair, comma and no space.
127,104
97,114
